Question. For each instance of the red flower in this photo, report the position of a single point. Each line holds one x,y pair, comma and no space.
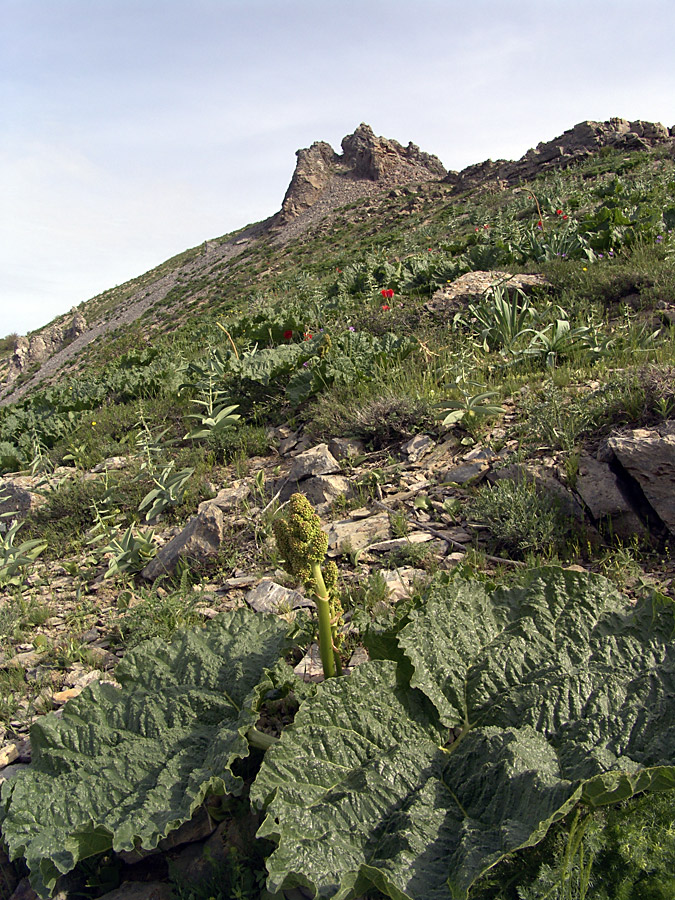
385,306
564,217
429,249
475,229
486,226
539,225
558,212
387,293
288,335
307,336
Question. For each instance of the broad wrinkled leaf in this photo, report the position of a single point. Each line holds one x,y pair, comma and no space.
556,691
124,767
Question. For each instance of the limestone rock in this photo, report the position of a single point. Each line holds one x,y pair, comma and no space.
228,498
200,538
270,597
344,448
313,171
322,490
648,455
317,461
574,144
350,534
365,157
600,490
417,447
472,285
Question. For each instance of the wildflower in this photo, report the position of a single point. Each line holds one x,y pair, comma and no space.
475,229
306,364
92,424
558,212
486,227
540,224
428,249
659,238
385,306
351,328
584,269
387,293
307,336
565,217
288,335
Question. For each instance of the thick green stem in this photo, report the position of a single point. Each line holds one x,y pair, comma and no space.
325,627
260,739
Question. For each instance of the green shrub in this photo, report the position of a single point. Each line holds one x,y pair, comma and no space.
519,517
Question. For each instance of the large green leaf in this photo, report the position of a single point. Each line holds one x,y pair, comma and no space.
556,691
124,767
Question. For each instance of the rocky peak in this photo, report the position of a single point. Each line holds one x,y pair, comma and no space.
574,144
364,157
380,159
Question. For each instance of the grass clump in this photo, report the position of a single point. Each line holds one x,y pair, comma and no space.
520,519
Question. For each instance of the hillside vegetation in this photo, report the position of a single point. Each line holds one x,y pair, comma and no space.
467,376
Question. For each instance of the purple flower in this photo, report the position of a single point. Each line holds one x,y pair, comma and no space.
659,238
351,328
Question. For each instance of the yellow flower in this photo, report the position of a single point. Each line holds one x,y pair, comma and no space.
92,424
585,269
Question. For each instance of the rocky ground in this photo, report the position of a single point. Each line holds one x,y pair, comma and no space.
392,517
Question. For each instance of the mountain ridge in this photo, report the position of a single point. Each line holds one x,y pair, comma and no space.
322,182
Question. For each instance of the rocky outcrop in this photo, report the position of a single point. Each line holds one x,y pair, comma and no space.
40,346
364,157
472,285
648,456
571,146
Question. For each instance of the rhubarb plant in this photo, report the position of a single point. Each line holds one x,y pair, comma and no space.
485,718
497,715
303,545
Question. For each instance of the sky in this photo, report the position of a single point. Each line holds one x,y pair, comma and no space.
131,130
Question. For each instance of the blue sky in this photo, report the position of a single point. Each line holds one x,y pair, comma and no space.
133,129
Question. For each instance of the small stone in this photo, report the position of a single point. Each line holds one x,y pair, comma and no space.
8,754
417,537
417,447
270,597
310,668
317,461
344,448
469,472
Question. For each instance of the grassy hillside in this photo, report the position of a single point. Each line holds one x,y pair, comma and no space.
353,329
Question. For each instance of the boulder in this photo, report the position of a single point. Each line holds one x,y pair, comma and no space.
200,538
600,490
648,456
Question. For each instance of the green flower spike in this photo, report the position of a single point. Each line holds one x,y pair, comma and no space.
303,545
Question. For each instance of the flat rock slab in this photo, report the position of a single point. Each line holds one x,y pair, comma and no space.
463,474
229,497
357,535
416,537
600,490
472,285
648,455
270,597
417,447
310,668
